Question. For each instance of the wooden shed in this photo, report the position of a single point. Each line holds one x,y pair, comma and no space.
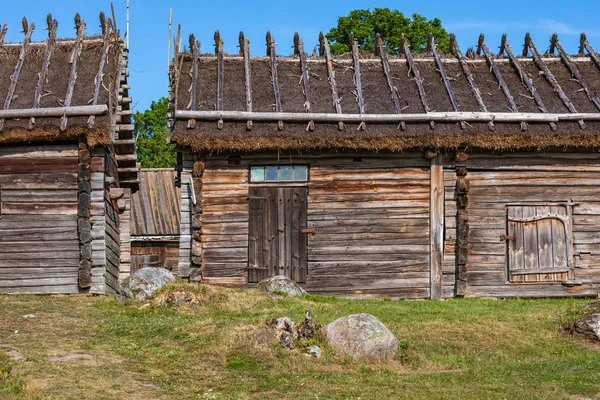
155,211
407,176
67,160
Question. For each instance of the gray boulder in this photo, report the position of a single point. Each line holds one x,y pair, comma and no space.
361,336
588,326
281,284
144,282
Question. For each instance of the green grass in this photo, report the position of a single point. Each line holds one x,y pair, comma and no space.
220,348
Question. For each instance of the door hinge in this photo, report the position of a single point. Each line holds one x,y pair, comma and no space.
507,237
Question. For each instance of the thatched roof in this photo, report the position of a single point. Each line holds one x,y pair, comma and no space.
205,133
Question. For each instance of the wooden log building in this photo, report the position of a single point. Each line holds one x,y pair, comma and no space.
397,175
155,227
67,160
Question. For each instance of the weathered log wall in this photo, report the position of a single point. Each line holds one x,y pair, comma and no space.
161,254
493,181
39,245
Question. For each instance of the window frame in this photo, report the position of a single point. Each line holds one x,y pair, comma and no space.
293,181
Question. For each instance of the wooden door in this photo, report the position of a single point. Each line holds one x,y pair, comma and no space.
539,240
276,244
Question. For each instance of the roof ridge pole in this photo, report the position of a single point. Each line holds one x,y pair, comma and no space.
415,71
381,52
195,48
15,76
299,49
467,71
274,81
525,79
324,50
357,81
574,71
492,63
80,26
105,24
52,25
550,77
220,75
593,55
445,79
3,32
245,51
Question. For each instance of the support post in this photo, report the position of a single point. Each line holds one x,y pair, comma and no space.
80,26
436,219
415,71
299,50
357,80
245,52
220,75
324,51
274,80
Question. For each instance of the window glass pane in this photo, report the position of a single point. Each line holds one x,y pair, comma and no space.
285,173
300,173
257,174
271,174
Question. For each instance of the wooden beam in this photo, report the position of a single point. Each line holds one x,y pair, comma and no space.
195,49
245,51
593,55
549,76
467,71
420,117
15,76
220,75
80,26
324,51
299,50
385,65
415,71
436,225
574,71
445,79
52,25
525,79
105,23
3,31
357,80
274,81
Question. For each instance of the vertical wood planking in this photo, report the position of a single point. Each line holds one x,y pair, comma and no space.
437,226
515,247
544,232
530,243
303,241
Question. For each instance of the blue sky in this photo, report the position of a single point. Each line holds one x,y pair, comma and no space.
149,25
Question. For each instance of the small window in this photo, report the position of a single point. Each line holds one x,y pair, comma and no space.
279,173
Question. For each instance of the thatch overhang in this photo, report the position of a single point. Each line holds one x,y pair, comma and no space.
480,100
64,89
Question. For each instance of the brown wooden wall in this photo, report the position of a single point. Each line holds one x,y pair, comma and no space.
370,217
39,246
498,180
163,252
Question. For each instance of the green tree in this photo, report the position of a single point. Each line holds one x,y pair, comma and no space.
390,25
152,133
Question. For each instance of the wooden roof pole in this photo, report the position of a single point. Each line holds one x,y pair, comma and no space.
574,71
591,52
106,24
193,105
380,51
52,25
245,51
15,76
549,76
80,26
467,71
299,50
3,32
525,79
492,63
274,81
438,61
324,51
357,81
411,63
220,75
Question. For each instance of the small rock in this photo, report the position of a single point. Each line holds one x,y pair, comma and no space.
306,328
283,323
144,282
16,332
29,316
287,340
588,326
71,357
281,284
593,306
313,351
361,336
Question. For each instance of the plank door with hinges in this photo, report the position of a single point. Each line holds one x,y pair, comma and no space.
539,243
277,238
